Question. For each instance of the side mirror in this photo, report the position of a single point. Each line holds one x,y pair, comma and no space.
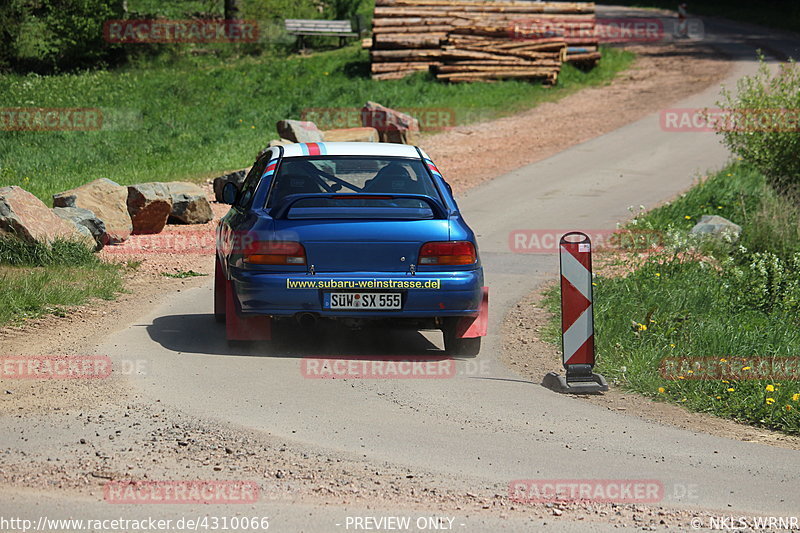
229,193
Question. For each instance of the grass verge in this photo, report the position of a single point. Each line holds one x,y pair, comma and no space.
724,312
201,115
38,279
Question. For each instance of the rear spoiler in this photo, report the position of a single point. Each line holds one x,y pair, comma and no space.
282,210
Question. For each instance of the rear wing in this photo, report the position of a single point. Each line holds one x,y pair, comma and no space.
282,209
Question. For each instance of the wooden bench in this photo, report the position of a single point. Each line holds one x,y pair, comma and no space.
335,28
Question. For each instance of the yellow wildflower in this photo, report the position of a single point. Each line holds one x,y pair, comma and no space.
770,401
731,389
795,397
745,368
788,407
658,274
661,390
770,388
687,217
723,360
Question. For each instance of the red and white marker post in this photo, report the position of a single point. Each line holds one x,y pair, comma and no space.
577,319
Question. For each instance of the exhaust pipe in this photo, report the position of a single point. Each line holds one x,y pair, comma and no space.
307,320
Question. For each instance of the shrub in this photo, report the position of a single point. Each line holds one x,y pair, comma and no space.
50,35
775,150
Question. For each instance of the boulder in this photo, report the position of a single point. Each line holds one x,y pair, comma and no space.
86,222
189,203
149,205
717,226
360,135
24,215
279,142
107,200
393,126
237,178
299,131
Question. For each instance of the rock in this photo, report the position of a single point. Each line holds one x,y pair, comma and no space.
189,203
299,131
85,221
24,215
278,142
717,226
107,200
237,178
393,126
361,135
149,205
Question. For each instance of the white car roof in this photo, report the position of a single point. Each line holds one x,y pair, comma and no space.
345,148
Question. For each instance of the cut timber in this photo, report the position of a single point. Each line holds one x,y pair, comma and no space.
398,66
400,55
593,57
401,41
412,29
479,40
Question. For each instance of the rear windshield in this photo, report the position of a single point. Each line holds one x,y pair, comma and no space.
348,175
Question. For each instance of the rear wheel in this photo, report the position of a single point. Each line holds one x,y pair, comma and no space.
454,345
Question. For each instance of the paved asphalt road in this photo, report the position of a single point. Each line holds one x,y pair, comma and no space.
482,424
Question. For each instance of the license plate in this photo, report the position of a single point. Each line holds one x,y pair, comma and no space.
363,300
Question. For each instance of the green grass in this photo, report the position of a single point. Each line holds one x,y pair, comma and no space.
38,279
196,116
783,14
698,301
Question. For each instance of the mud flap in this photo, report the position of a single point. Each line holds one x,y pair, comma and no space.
219,289
239,328
469,327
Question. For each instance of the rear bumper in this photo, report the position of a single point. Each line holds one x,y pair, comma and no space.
427,294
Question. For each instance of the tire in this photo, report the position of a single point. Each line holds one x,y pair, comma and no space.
465,347
219,293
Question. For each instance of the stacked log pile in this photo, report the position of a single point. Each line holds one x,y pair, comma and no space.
482,53
470,40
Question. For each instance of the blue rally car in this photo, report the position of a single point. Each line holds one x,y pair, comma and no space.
356,232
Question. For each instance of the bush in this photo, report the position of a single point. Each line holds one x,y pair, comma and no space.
52,35
762,281
773,149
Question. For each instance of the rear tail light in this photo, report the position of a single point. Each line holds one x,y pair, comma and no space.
275,253
448,253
